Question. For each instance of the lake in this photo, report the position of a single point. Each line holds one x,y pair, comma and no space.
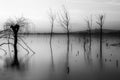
50,60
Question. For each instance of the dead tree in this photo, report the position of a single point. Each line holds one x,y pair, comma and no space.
87,41
89,25
64,20
52,17
100,22
14,27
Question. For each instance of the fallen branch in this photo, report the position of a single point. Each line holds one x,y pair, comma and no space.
27,46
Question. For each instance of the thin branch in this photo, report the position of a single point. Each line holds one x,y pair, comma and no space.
61,22
27,46
6,44
24,48
52,16
13,44
4,51
91,23
64,19
9,45
101,19
3,35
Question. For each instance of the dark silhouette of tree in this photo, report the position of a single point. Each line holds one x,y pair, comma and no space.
11,32
15,29
52,17
100,22
64,20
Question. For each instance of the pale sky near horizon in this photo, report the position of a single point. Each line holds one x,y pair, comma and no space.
37,11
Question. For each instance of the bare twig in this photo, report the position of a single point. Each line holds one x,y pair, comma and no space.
24,48
4,51
64,19
8,45
13,44
101,19
5,44
27,46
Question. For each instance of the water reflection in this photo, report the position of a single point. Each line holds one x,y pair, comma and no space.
51,51
52,58
87,49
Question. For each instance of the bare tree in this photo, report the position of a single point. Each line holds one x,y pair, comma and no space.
52,18
11,30
89,25
100,22
87,41
64,20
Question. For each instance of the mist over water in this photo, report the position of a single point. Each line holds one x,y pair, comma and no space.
84,58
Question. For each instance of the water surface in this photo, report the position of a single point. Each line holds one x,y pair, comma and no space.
84,58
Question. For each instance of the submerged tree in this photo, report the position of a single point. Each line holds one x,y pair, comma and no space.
52,17
87,41
100,22
64,20
12,28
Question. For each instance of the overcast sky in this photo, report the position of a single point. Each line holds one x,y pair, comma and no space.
37,11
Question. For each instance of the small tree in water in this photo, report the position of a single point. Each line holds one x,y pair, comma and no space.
15,26
100,22
52,18
15,29
64,20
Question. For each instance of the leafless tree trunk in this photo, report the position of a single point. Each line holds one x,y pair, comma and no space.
65,23
87,41
52,21
89,25
13,27
15,59
100,22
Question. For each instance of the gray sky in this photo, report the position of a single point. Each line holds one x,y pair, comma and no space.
37,11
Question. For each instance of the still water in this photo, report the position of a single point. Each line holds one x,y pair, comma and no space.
83,59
